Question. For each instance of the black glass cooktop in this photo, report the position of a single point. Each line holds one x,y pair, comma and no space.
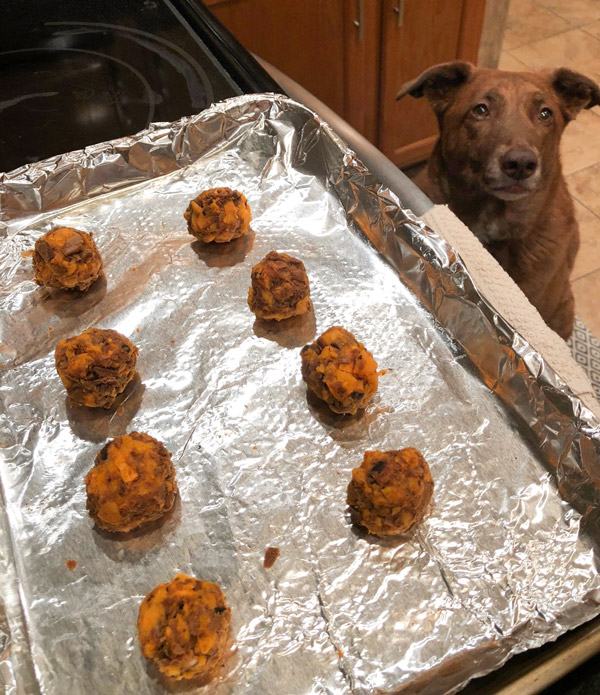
73,73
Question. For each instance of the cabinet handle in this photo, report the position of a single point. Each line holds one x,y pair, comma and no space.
399,11
359,22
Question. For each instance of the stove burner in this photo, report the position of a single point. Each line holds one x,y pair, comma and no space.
99,89
75,83
168,51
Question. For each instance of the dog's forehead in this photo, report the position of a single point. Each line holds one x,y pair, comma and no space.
502,85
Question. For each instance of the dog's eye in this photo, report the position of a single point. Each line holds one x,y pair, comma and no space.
481,110
545,114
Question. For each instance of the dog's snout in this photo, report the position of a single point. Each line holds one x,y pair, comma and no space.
519,164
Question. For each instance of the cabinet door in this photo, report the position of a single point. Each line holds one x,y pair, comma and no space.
330,47
416,35
303,38
362,66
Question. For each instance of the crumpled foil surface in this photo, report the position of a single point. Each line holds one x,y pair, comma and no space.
506,558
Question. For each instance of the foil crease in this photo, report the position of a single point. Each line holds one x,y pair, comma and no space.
505,560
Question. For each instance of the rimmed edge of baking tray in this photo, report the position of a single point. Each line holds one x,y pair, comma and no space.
531,671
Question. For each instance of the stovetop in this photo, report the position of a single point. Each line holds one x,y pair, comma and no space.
73,73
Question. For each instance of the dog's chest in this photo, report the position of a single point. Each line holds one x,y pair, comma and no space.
488,227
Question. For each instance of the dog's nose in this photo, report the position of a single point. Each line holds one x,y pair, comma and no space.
519,164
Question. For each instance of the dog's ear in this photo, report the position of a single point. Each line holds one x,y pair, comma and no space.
438,84
575,91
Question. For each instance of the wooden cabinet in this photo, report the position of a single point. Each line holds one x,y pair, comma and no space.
303,38
355,54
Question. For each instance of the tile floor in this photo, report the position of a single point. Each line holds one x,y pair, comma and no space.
553,33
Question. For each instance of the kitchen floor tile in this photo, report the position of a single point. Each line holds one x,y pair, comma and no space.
575,11
575,49
585,187
588,258
510,63
587,291
527,18
593,29
580,144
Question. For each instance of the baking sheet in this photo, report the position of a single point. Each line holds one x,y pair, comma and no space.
502,563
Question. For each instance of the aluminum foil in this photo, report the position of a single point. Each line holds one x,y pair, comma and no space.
506,559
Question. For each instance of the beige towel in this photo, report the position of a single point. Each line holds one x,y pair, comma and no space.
500,290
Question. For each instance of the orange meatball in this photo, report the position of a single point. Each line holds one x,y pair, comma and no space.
95,366
67,259
218,214
132,482
340,370
279,288
183,626
390,491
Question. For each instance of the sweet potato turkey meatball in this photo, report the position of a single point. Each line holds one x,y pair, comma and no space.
183,626
218,214
390,491
66,259
132,482
279,288
95,366
340,371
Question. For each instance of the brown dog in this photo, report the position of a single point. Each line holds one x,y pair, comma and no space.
497,165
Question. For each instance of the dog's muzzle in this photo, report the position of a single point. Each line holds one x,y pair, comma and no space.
514,174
